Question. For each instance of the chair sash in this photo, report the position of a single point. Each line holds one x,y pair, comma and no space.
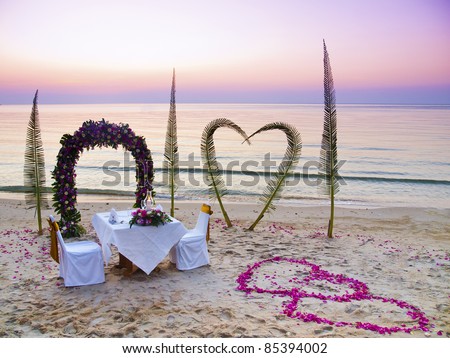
54,241
207,210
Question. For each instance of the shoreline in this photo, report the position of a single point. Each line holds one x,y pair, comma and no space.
399,253
230,199
285,211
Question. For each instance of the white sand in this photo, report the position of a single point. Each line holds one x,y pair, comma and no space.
400,253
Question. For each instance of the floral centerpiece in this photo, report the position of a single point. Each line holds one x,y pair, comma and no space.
150,217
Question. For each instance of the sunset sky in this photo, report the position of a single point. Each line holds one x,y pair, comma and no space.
255,51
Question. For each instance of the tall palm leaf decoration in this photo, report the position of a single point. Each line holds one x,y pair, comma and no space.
171,149
214,176
291,157
34,165
328,167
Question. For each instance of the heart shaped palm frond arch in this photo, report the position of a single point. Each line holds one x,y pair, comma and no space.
214,176
291,157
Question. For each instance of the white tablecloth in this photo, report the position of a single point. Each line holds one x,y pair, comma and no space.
145,246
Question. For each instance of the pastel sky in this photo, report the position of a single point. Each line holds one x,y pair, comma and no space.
256,51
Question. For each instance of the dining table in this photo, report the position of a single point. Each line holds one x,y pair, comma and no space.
139,247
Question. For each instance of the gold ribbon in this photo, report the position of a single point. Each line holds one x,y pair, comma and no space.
54,240
207,210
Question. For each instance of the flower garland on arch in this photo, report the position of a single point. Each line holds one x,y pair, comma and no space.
359,292
90,135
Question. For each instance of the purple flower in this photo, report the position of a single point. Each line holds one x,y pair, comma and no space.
90,135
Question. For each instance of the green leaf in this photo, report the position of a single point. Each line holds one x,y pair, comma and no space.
328,167
291,157
34,165
214,176
171,155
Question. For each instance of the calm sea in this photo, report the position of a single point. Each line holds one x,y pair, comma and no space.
390,155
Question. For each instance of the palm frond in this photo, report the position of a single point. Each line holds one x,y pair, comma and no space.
291,157
34,164
214,178
171,155
328,167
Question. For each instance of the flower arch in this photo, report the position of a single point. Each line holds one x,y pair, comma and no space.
90,135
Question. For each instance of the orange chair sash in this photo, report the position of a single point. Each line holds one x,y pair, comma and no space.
54,240
207,210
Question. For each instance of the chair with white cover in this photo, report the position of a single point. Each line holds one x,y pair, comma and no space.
192,251
80,263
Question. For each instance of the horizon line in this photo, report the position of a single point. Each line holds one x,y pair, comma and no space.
233,103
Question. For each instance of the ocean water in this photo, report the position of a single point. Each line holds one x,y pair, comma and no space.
389,155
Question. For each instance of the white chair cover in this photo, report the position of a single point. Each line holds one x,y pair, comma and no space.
191,251
80,263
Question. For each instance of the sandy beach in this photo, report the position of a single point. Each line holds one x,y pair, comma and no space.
399,253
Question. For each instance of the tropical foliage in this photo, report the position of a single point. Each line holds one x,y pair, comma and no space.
171,155
328,168
34,165
214,178
291,157
90,135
